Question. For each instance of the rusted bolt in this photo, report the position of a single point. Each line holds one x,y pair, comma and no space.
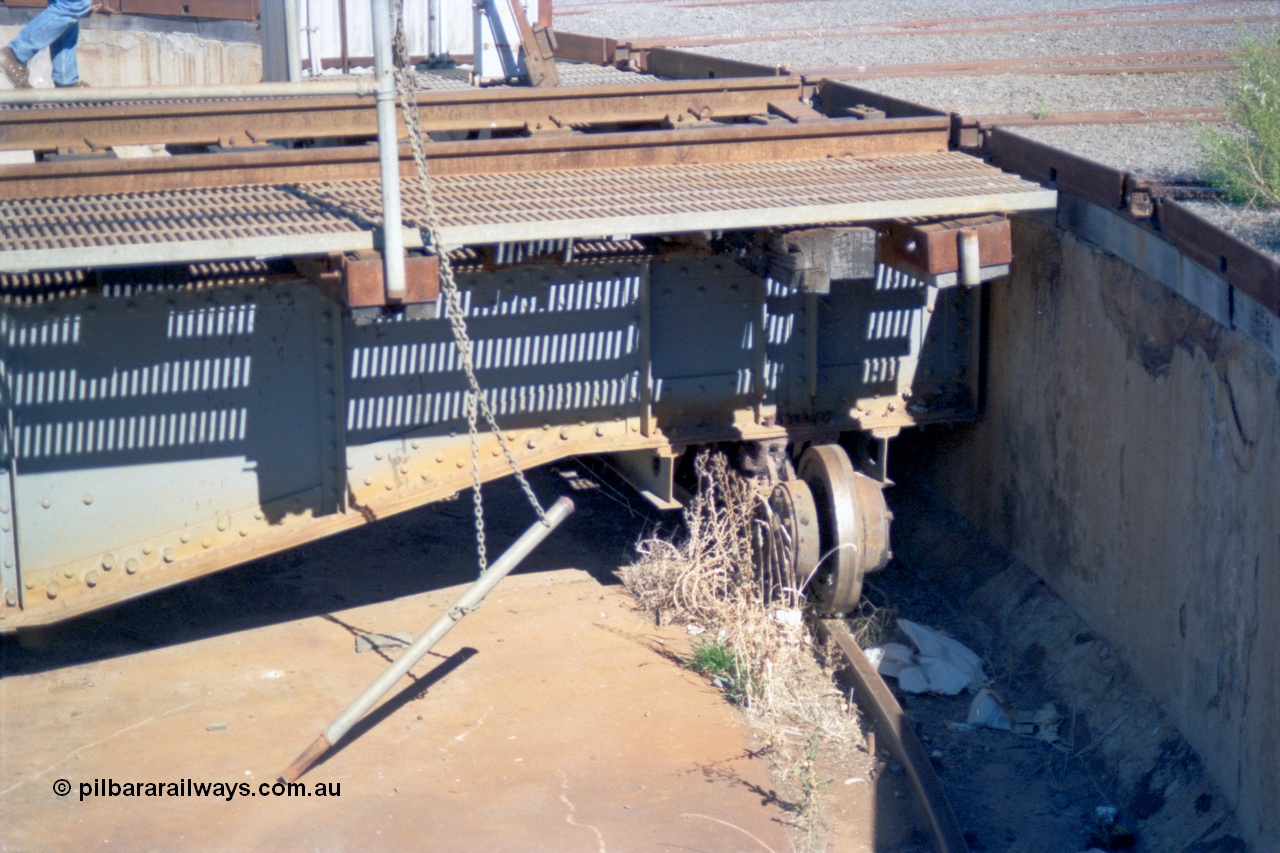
439,457
6,526
496,451
46,503
11,597
88,498
388,486
244,532
108,563
206,542
68,574
222,525
91,578
532,443
459,463
404,469
131,566
564,434
368,481
414,445
51,590
4,508
378,455
167,555
258,515
599,431
546,426
184,538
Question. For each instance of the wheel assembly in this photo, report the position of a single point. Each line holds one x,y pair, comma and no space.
787,544
853,527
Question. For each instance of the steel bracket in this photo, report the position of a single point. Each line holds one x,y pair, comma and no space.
354,279
652,474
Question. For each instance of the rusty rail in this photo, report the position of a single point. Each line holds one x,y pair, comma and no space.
250,122
891,726
1243,266
708,143
890,31
1173,62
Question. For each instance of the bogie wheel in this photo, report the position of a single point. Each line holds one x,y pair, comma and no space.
788,544
853,525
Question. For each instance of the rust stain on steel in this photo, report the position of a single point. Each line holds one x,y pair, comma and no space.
64,128
931,247
894,729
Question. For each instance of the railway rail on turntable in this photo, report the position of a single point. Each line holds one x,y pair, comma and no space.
720,155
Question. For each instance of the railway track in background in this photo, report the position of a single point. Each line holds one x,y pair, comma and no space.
1168,62
891,31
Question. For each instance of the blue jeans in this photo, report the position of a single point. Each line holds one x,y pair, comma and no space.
57,28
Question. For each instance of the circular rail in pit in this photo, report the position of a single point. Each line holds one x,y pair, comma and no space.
877,702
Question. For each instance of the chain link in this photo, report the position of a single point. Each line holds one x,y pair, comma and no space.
405,86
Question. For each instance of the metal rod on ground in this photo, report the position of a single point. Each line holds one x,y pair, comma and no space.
388,152
475,593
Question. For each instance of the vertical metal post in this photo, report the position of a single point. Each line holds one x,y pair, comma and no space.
292,49
388,153
970,259
433,29
644,324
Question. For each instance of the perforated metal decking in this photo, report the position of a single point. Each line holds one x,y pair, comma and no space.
314,218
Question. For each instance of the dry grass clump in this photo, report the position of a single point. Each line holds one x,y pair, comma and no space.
768,666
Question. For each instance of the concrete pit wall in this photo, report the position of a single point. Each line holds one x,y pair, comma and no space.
1129,452
125,50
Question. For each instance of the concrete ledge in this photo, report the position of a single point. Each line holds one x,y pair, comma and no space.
130,50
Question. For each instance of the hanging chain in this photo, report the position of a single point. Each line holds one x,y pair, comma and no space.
476,399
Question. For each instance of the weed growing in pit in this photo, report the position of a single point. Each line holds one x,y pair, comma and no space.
707,576
714,660
1243,159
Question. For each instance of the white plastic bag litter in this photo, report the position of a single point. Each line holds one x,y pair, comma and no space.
940,664
890,658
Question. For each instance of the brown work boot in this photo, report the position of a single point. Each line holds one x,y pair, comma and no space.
13,69
79,84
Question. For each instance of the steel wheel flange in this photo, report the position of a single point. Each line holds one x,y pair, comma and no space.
853,525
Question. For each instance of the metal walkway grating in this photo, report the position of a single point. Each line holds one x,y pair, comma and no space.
315,218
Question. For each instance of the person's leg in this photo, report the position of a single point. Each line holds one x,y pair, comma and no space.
66,71
48,27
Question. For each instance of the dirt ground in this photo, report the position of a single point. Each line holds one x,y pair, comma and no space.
554,718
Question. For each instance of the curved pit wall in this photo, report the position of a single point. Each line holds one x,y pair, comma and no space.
1128,454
